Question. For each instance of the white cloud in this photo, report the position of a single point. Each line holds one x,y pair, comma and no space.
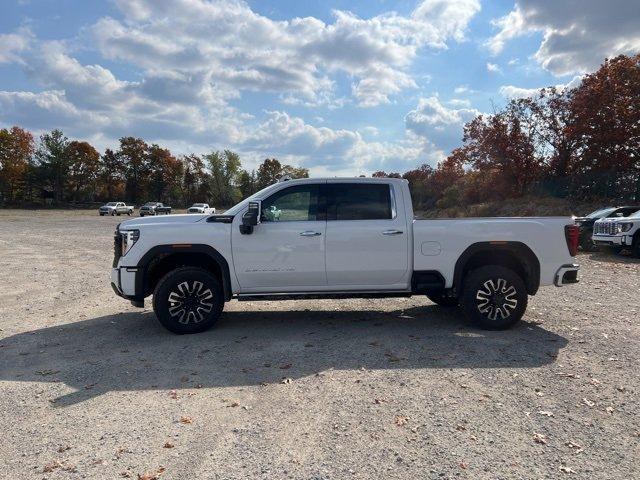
440,125
12,44
511,91
246,51
493,68
577,34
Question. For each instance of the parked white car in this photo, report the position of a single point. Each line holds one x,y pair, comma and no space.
115,208
618,232
336,238
203,208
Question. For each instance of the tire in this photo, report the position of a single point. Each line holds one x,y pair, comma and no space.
195,289
113,212
636,246
443,300
102,214
501,284
118,213
587,244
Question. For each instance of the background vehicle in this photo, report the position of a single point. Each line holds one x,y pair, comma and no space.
115,208
154,208
336,238
586,223
201,208
619,233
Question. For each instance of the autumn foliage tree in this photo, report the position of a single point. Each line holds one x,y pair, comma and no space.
16,149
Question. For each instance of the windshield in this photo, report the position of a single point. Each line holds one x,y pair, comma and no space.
150,204
198,204
601,213
112,204
261,194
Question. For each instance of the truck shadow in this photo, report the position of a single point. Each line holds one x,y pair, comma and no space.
610,257
132,351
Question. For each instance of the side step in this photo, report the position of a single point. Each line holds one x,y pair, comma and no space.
320,296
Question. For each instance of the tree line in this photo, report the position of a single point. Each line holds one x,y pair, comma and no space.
66,170
580,143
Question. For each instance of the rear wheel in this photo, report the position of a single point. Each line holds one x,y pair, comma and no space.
188,300
494,297
443,300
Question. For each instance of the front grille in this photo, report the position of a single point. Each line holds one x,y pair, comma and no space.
605,228
117,247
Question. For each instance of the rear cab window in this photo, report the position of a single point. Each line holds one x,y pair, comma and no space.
359,201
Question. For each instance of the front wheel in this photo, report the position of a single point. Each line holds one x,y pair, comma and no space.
494,297
113,212
188,300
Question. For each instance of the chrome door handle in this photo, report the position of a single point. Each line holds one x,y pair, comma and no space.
309,233
392,232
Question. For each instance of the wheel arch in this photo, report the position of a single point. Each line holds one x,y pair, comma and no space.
161,259
514,255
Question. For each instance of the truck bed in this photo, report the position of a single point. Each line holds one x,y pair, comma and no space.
440,242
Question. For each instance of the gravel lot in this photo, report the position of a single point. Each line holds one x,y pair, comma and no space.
396,388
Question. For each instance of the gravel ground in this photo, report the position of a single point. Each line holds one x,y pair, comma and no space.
390,388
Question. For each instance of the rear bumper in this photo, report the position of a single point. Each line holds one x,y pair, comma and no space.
566,274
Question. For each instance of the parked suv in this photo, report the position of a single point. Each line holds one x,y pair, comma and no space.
154,208
619,232
586,223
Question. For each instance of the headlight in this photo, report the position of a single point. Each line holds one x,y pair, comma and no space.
129,239
623,227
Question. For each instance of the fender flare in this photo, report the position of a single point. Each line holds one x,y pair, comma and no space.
521,251
153,252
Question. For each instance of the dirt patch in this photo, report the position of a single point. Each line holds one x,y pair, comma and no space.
394,388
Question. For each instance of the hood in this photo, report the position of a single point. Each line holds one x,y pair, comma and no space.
614,220
161,220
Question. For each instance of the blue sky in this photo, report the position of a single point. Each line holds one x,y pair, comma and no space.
342,87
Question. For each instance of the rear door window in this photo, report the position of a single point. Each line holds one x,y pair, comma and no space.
359,201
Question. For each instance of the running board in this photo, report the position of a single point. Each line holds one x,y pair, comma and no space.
319,296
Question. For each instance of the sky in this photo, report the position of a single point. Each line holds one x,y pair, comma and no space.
339,87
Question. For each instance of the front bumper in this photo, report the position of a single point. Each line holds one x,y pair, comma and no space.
619,240
123,283
566,274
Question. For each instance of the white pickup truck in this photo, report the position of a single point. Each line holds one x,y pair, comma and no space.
618,232
335,238
115,208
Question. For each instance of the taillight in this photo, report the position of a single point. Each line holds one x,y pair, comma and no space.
572,235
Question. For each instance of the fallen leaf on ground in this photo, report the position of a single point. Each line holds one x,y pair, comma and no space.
574,446
588,403
462,465
609,410
539,438
173,394
233,404
378,401
401,420
168,445
151,475
186,420
286,380
546,413
564,469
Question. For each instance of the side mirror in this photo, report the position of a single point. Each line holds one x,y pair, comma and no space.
251,218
